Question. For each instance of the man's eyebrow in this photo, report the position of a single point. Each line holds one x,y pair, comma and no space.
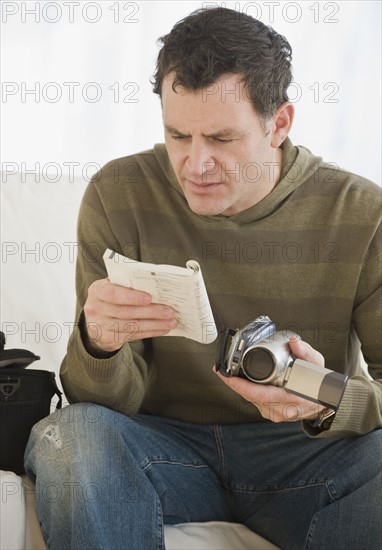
227,132
173,130
223,133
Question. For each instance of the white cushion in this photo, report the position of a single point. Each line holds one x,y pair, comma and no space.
214,535
19,527
12,512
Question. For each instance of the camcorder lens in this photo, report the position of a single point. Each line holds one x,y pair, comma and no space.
258,364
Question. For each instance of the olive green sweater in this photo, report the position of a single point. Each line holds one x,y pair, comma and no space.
308,256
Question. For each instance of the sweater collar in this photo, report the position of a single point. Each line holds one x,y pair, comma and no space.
297,166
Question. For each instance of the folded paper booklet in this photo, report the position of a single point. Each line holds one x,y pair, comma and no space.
182,288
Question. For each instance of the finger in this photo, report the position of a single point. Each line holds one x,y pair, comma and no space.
269,400
112,336
303,350
140,326
127,312
104,291
274,403
148,334
250,390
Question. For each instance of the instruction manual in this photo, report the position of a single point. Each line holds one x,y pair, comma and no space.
182,288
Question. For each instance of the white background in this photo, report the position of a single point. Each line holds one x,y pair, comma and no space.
336,56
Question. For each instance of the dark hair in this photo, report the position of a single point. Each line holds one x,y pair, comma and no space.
211,42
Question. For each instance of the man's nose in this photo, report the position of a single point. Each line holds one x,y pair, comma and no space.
200,161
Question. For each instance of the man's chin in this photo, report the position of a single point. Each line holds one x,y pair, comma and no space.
205,209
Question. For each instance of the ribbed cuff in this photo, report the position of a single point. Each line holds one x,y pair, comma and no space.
350,414
94,352
99,369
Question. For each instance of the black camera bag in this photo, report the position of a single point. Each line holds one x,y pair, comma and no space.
25,398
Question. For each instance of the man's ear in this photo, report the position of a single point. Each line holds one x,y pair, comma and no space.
282,123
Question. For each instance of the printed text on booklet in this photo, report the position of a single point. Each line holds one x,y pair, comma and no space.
182,288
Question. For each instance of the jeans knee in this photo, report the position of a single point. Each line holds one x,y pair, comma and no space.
369,454
60,439
77,419
359,466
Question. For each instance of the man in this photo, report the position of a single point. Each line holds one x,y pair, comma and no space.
276,232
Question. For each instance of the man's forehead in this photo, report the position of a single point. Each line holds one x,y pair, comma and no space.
225,81
219,110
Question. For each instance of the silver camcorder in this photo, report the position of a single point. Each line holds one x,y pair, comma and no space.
261,354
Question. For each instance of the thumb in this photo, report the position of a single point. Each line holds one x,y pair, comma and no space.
303,350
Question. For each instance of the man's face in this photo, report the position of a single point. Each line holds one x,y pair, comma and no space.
224,158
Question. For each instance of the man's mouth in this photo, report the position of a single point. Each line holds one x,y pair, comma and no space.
202,186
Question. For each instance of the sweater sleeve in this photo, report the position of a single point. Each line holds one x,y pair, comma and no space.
360,410
119,381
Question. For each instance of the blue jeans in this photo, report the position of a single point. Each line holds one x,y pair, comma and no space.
108,481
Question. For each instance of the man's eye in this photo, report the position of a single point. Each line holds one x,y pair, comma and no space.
177,137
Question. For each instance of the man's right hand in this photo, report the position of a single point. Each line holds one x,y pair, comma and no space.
115,315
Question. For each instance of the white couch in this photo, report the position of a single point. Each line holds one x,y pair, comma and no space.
38,234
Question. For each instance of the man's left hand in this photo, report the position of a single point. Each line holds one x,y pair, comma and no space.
275,403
